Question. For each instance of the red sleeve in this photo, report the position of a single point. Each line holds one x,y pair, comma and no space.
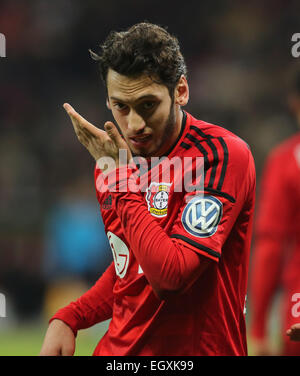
168,265
173,263
92,307
206,218
271,231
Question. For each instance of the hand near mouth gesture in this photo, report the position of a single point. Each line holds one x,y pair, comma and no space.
100,144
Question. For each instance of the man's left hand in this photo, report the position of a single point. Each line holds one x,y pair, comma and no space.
99,143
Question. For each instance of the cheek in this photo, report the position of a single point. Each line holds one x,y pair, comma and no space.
120,120
160,118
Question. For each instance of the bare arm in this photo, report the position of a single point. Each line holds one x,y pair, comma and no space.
91,308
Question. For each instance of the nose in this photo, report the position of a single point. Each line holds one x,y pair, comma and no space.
136,123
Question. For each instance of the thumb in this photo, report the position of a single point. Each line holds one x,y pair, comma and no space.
113,133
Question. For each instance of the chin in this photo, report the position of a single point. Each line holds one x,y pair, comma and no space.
145,153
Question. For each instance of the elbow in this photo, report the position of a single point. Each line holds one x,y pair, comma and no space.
169,288
168,293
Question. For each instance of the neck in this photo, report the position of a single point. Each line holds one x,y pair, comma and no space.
174,130
178,122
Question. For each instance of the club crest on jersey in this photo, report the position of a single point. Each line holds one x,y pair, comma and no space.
157,197
202,215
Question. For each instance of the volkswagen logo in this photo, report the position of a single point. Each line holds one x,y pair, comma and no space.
202,215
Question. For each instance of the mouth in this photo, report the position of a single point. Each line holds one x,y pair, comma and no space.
140,141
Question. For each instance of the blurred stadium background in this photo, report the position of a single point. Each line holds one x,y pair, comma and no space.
52,242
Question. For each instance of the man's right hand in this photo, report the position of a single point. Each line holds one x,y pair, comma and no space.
294,332
59,340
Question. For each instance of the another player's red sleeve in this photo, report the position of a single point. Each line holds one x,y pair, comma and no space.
92,307
271,232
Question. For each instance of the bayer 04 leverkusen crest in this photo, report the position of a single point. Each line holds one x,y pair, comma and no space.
157,197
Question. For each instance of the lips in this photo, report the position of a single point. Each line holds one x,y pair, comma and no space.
140,140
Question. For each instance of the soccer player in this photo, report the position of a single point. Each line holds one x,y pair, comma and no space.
178,282
276,259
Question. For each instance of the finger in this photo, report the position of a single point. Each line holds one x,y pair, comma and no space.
77,120
83,138
81,122
81,135
73,120
90,135
113,133
295,334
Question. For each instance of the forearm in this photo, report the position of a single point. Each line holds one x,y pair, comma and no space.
92,307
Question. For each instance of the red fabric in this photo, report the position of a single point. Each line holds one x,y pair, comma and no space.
163,302
168,265
276,258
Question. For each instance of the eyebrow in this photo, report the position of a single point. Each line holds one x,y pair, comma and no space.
146,96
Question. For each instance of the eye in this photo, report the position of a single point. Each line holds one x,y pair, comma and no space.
120,106
148,106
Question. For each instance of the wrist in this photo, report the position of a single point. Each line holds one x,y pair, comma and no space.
62,323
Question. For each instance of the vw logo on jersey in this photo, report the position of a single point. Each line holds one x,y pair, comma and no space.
202,215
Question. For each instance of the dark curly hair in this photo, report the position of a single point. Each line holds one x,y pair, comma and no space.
144,48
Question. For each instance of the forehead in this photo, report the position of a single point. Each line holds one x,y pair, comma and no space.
131,89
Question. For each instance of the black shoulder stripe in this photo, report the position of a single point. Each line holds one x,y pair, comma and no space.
225,151
208,140
196,245
225,163
215,162
200,132
201,149
219,193
185,146
197,144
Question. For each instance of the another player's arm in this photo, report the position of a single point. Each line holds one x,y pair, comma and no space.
271,230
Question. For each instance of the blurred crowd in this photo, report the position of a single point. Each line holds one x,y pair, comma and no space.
239,66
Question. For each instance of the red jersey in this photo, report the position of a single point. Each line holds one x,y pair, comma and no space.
277,237
155,232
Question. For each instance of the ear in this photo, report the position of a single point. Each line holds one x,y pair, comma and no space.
181,96
108,104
